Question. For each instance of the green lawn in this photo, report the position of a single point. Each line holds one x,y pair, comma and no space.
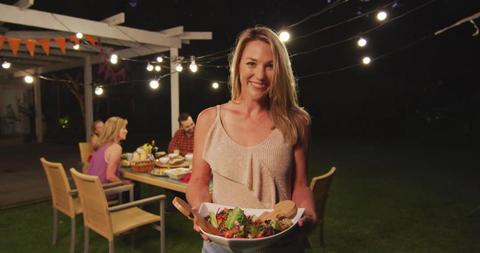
385,197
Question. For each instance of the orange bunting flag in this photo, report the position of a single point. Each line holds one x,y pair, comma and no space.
90,39
73,38
61,43
45,43
2,39
14,45
30,45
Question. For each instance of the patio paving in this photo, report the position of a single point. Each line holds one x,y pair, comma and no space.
22,179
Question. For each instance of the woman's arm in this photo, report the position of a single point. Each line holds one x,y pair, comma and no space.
302,195
112,157
198,186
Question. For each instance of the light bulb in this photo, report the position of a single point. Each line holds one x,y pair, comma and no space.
158,68
79,35
179,67
381,15
159,59
366,60
193,67
114,59
215,85
361,42
28,79
98,91
6,65
154,84
284,36
76,46
149,67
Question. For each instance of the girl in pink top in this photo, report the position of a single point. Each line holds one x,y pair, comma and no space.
105,162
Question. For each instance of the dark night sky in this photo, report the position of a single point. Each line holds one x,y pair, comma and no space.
428,86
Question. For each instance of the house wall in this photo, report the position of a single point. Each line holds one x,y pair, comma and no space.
13,97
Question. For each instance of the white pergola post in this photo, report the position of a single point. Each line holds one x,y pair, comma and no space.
87,88
174,89
37,97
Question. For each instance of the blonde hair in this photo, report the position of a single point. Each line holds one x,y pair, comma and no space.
287,115
111,129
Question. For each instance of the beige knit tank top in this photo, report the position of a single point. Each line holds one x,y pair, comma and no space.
250,177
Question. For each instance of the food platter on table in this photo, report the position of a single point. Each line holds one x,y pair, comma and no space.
167,165
159,172
171,161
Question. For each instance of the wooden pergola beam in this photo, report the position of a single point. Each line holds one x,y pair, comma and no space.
27,17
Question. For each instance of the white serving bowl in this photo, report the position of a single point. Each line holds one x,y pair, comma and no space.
163,159
245,245
189,156
172,155
177,173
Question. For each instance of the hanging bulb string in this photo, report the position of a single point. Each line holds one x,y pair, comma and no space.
215,53
213,66
411,44
343,22
363,33
328,8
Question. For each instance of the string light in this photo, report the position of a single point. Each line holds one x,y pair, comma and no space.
158,68
154,84
114,59
366,60
193,66
149,67
381,15
6,65
215,85
99,91
76,46
159,59
361,42
79,35
179,67
28,79
284,36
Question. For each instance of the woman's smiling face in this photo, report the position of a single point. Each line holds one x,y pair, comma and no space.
256,69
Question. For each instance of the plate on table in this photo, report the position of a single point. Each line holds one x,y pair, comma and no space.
245,244
177,173
159,172
170,165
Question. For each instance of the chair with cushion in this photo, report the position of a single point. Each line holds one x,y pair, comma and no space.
320,186
86,150
113,221
63,198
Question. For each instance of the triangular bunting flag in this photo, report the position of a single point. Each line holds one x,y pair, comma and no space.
45,43
14,45
90,40
73,38
61,43
30,45
2,39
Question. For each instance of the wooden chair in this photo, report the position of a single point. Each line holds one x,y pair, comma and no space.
63,198
112,221
86,150
320,186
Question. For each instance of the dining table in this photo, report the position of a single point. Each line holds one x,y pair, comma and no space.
159,181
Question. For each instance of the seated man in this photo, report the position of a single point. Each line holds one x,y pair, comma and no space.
183,138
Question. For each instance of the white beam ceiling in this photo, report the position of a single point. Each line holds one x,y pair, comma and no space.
51,21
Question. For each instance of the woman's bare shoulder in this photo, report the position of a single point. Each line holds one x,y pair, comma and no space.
114,147
208,115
